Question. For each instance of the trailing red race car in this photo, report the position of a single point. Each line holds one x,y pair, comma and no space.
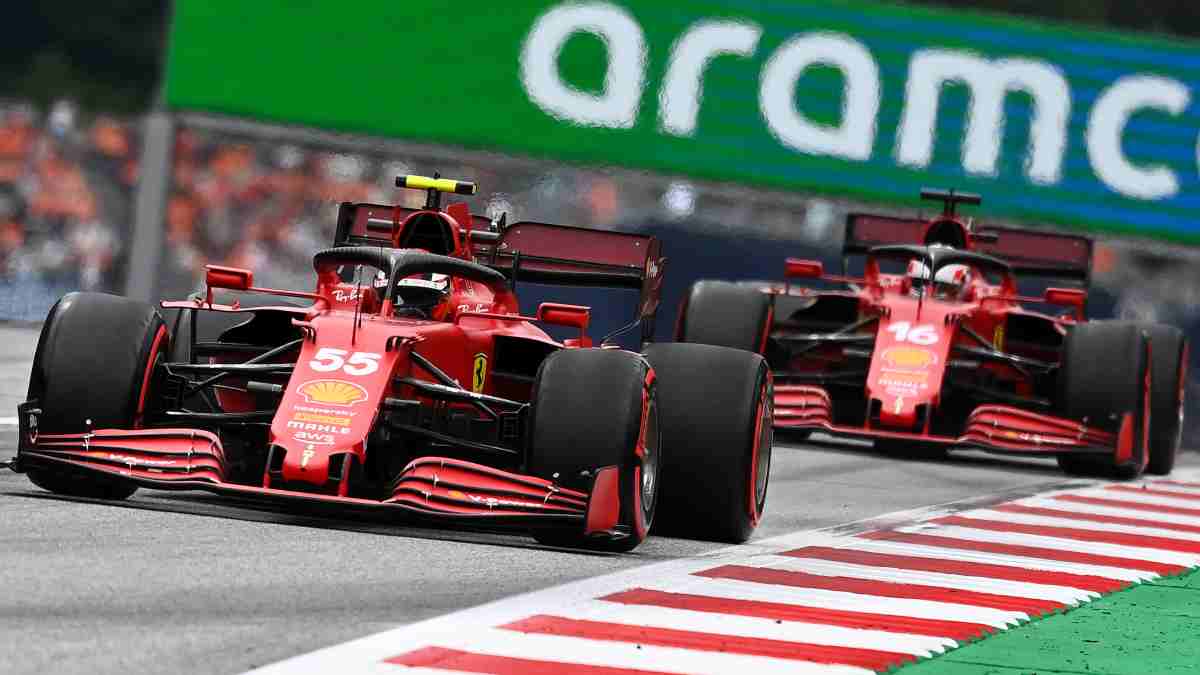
408,382
932,346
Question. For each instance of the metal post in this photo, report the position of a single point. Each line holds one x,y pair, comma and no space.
150,207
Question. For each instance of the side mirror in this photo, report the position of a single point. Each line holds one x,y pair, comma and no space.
572,316
1067,297
233,278
795,268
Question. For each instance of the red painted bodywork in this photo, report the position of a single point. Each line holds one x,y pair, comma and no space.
356,348
905,377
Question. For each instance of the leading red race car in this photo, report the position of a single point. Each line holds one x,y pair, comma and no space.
408,382
934,347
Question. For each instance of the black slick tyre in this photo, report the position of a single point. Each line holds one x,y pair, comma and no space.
1105,374
1168,377
716,406
726,315
93,370
594,408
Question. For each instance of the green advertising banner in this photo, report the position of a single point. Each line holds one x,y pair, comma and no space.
1085,129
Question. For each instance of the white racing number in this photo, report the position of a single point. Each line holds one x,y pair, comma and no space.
924,334
329,359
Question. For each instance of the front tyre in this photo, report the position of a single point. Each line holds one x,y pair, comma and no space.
594,408
717,433
1106,375
93,369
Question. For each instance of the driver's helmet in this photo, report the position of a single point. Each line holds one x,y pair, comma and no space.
918,276
423,295
950,282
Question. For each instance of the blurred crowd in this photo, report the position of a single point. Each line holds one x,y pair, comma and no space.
65,194
67,183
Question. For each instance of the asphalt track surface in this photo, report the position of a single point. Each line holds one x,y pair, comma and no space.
192,582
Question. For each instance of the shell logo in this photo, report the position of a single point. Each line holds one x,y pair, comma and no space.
909,357
332,392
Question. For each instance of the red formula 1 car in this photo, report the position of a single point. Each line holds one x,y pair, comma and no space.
932,346
408,382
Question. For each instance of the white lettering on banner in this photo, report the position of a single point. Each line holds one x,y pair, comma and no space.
989,82
1106,127
617,106
683,86
855,136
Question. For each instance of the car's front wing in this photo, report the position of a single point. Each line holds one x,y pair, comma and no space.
998,428
437,489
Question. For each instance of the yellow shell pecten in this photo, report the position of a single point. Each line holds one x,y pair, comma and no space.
333,392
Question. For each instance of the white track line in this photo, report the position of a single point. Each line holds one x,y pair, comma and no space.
390,669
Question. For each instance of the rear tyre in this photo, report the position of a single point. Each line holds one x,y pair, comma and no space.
594,408
717,435
1105,374
726,315
93,369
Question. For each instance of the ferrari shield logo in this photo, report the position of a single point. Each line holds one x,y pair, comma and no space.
479,373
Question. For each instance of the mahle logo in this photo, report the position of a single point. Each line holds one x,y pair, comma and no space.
853,137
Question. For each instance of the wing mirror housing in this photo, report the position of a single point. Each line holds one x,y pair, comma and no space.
1067,297
232,278
571,316
796,268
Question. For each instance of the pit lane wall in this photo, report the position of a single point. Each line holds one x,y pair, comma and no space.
1055,124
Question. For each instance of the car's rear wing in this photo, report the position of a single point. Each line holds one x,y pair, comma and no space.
534,252
1030,252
